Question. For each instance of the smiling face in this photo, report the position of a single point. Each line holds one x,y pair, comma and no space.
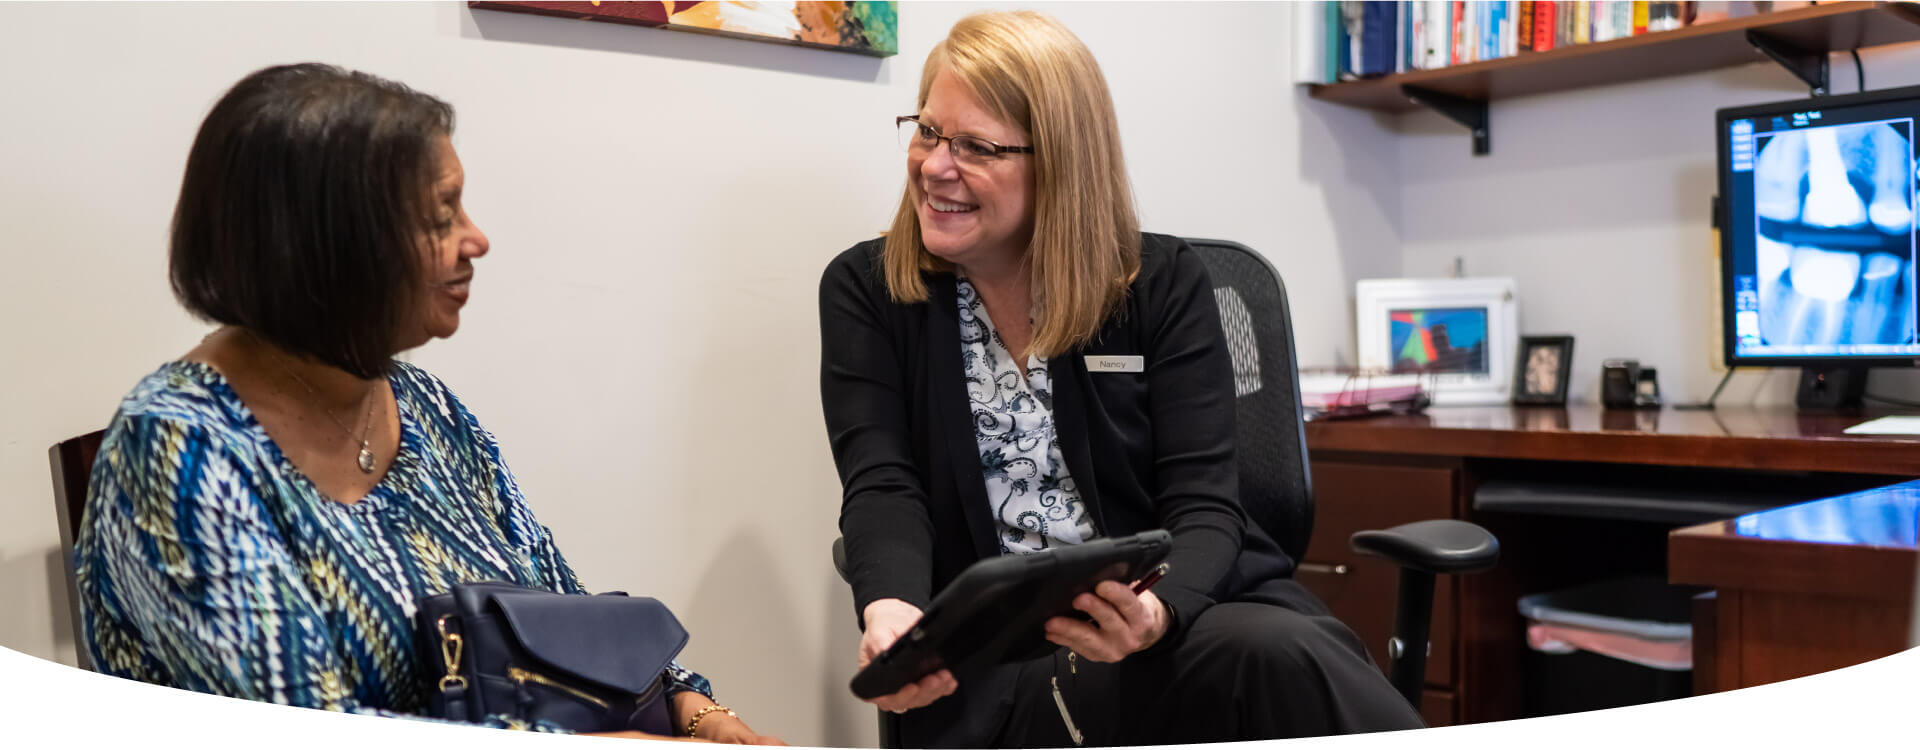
970,214
446,266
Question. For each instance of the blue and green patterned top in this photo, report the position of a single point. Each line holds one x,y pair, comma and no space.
208,562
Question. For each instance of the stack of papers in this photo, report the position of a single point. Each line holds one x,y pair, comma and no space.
1319,392
1885,426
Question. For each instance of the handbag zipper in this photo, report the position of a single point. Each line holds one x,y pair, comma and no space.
523,676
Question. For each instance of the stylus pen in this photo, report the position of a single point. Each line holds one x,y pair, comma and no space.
1152,577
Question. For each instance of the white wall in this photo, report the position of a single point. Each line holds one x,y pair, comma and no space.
642,338
1597,202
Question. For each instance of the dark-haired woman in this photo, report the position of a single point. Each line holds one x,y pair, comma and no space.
266,509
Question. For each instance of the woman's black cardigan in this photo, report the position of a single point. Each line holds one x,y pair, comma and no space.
1147,450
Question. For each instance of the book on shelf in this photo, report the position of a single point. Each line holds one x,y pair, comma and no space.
1309,63
1404,46
1377,27
1523,30
1439,30
1543,24
1461,33
1336,32
1489,28
1663,16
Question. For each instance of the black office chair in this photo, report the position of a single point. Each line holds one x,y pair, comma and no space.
72,463
1276,487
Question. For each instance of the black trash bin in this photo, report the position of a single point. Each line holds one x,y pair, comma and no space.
1614,643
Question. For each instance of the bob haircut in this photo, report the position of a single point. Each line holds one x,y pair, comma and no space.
1033,74
306,199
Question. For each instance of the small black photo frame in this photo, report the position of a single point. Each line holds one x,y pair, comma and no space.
1540,375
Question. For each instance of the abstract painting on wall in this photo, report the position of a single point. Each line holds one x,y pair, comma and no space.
868,28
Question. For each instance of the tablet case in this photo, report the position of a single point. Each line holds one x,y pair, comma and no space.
994,612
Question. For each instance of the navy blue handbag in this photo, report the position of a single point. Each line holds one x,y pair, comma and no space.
585,663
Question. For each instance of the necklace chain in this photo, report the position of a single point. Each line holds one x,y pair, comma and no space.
366,453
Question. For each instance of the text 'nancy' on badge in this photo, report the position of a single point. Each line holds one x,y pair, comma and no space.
1116,363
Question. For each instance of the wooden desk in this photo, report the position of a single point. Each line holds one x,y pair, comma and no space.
1381,471
1801,589
1776,439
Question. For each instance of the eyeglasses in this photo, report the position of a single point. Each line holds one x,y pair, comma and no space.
919,138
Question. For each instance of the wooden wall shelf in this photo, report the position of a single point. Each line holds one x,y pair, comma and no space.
1718,44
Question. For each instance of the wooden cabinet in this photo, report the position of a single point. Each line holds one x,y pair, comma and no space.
1361,590
1436,707
1801,589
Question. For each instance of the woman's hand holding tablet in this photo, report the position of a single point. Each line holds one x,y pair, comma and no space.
1123,622
1006,609
887,620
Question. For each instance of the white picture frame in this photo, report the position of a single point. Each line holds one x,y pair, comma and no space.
1455,372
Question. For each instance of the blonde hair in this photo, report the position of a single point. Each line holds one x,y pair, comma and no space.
1032,73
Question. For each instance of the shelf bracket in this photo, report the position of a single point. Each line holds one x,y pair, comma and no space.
1469,112
1808,66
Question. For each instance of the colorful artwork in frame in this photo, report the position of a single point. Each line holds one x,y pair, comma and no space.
1457,334
868,28
1438,340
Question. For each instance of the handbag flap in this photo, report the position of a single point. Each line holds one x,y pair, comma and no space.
617,641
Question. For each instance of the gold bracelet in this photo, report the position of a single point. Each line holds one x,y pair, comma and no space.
694,723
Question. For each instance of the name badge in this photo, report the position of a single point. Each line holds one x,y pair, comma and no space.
1116,363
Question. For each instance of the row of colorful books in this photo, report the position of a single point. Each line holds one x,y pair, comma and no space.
1374,38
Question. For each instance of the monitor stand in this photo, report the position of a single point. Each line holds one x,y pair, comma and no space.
1830,388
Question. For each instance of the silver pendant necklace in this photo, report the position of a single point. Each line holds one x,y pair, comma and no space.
365,459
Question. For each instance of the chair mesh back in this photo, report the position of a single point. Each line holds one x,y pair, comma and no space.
1270,441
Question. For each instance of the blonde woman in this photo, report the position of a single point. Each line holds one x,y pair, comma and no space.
965,423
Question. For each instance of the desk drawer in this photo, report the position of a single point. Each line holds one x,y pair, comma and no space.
1362,591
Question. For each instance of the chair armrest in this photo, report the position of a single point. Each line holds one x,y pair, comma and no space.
1441,546
840,558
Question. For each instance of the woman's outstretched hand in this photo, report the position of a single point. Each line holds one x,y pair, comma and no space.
720,727
887,620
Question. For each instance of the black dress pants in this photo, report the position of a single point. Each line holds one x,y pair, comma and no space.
1245,670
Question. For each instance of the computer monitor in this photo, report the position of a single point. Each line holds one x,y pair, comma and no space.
1817,232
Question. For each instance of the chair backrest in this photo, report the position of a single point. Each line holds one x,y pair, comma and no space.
1269,436
72,462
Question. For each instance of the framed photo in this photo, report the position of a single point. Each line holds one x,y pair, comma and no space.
1458,334
1541,369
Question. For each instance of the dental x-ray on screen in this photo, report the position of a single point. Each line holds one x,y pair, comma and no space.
1818,252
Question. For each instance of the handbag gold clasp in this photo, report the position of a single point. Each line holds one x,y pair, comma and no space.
450,644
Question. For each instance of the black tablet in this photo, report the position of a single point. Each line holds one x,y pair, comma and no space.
995,611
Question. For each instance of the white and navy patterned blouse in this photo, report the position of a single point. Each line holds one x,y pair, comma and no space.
1033,499
207,561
